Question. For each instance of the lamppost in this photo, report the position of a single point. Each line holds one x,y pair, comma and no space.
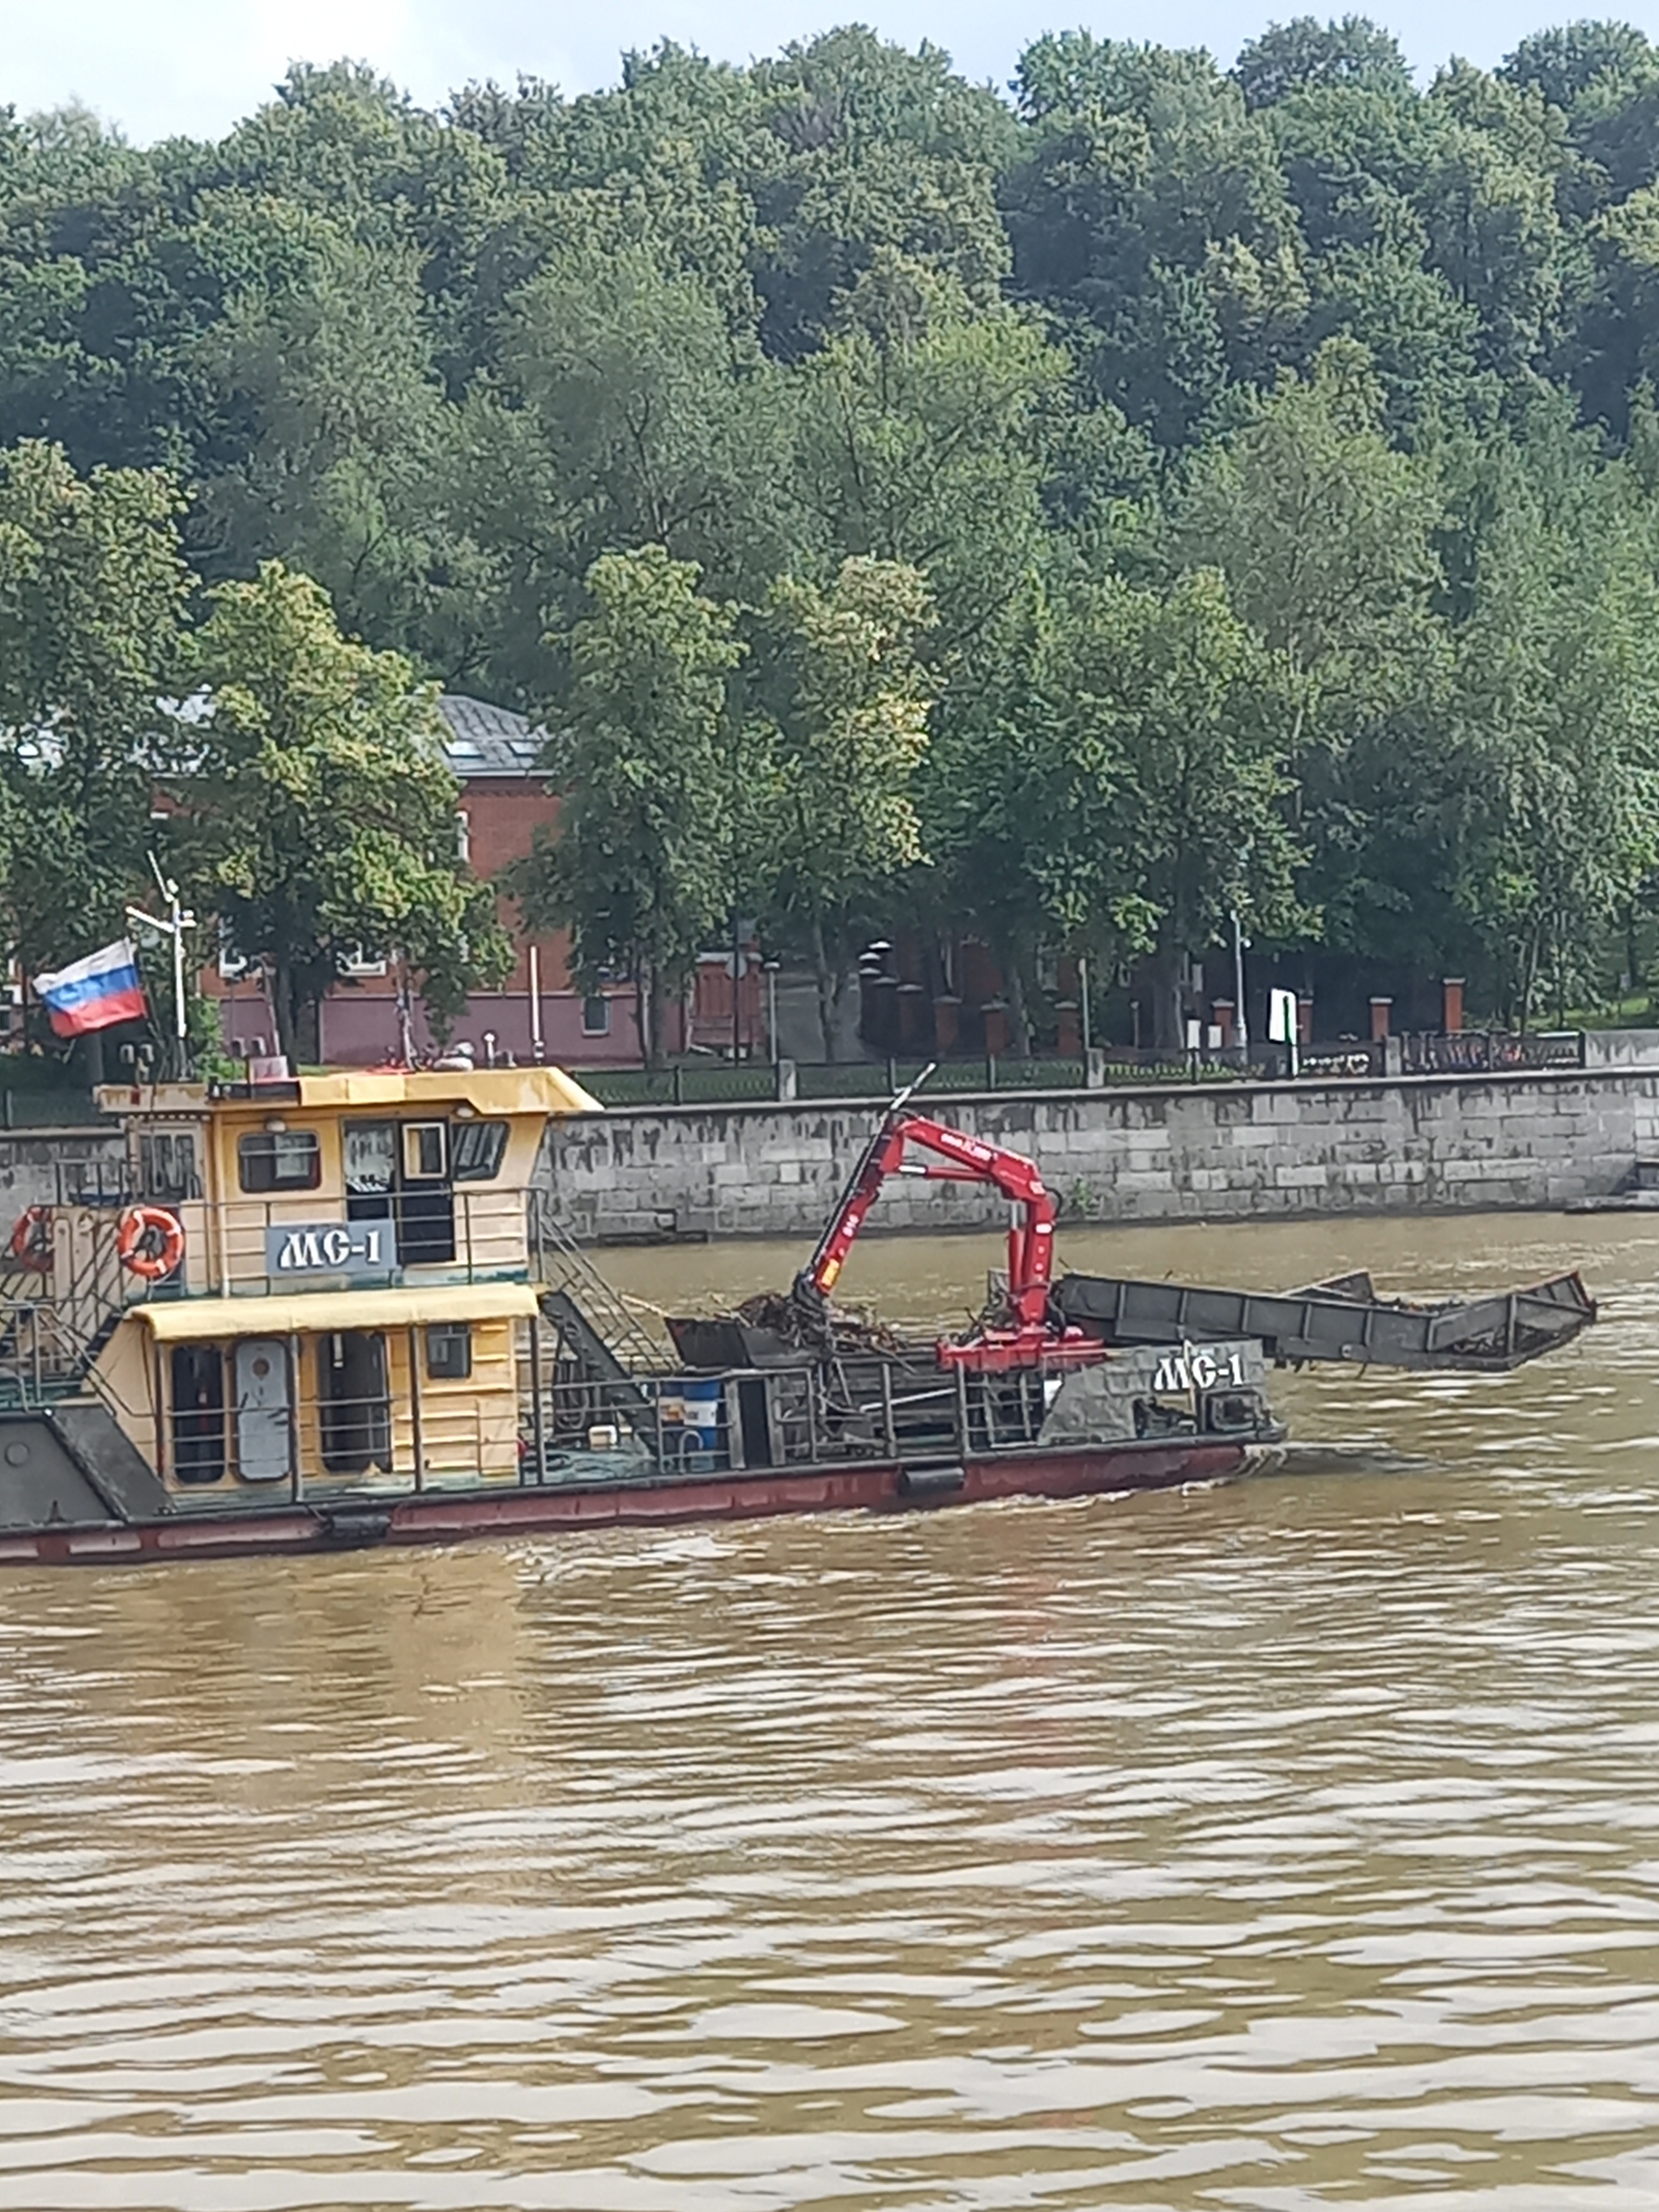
1241,1019
769,969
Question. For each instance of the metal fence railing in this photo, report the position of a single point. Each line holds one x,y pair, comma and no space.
713,1082
1481,1052
688,1083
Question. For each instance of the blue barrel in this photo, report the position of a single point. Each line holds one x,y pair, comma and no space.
702,1422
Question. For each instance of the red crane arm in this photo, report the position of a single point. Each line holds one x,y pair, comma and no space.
1030,1239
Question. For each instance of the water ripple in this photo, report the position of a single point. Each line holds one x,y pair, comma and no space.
1278,1845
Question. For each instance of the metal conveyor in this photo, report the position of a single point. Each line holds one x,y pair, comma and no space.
1343,1320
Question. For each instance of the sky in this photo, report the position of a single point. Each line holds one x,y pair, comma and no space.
155,68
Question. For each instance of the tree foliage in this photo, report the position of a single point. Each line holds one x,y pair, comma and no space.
641,871
92,609
317,815
843,681
750,424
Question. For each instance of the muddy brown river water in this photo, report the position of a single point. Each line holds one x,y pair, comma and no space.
1284,1844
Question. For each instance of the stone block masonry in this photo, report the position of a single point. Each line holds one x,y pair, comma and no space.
45,1167
1217,1152
1196,1152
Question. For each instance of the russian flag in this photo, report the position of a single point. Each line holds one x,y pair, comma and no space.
96,993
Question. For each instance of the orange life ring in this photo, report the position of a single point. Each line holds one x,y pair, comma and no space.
31,1240
150,1242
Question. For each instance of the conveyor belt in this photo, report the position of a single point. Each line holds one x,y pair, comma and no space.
1345,1321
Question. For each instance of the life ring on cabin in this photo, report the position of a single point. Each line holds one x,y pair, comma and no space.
150,1242
31,1240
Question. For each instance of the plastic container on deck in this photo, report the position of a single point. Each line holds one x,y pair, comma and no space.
701,1401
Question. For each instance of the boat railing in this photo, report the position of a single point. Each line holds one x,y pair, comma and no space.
655,1428
565,1430
59,1304
589,1425
303,1445
252,1247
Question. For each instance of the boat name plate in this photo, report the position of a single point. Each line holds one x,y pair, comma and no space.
330,1248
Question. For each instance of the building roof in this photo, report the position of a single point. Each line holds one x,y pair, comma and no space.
482,740
486,740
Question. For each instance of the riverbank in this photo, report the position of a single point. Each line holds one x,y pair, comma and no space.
1186,1153
1222,1151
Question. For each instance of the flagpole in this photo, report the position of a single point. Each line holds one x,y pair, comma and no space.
180,1027
178,921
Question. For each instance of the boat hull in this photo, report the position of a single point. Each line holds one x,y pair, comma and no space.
448,1517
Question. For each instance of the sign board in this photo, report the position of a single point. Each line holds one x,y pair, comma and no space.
330,1248
1281,1016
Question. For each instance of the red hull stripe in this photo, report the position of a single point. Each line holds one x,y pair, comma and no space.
449,1517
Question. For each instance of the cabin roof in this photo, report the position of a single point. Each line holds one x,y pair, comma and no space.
487,1091
299,1313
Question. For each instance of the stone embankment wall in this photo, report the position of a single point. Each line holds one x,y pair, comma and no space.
1211,1152
1215,1153
43,1167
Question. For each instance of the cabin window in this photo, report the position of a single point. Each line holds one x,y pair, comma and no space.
370,1151
354,1402
426,1152
476,1151
449,1352
280,1159
198,1413
166,1165
398,1172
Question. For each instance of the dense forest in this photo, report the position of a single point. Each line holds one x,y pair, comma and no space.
1065,517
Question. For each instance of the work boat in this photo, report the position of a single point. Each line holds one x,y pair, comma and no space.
338,1310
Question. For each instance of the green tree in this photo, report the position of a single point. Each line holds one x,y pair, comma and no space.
93,595
1326,537
646,424
1301,54
1191,704
849,702
1488,202
1565,61
1023,800
345,433
1148,211
1556,708
923,439
1323,532
874,151
318,815
640,869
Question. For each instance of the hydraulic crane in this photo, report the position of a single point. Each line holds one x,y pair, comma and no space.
1038,1325
1029,1334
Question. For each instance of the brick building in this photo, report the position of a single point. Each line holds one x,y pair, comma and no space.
495,755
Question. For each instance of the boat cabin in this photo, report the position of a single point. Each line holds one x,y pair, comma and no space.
308,1285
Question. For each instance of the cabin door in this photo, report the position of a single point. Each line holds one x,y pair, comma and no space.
263,1412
